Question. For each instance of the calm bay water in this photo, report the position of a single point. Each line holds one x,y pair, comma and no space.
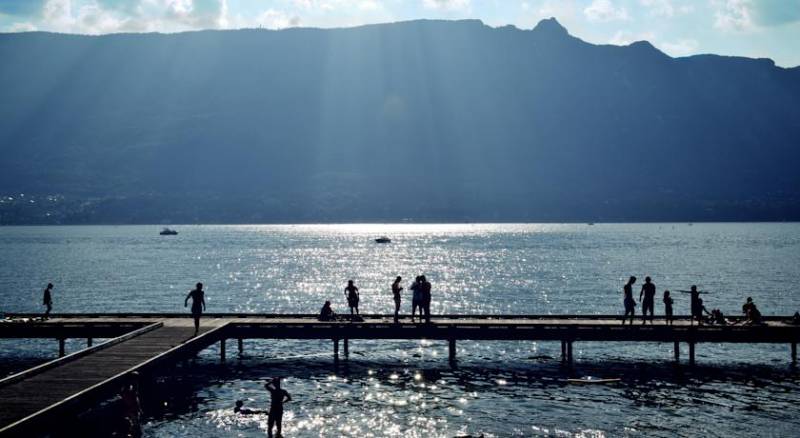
407,388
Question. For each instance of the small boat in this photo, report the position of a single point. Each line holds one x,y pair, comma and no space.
590,379
168,232
383,239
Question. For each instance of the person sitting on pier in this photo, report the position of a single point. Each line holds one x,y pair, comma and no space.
648,303
426,298
198,305
351,293
717,317
630,304
396,289
326,313
47,300
753,315
416,297
668,307
238,409
796,318
278,397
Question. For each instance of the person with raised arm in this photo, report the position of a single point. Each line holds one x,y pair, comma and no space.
278,397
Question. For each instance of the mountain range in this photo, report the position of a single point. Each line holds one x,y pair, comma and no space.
412,121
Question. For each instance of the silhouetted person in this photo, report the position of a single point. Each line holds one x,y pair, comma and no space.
752,314
326,313
648,303
278,397
426,297
702,309
630,304
132,407
198,305
351,293
696,304
47,300
668,307
396,289
717,317
416,297
796,318
239,409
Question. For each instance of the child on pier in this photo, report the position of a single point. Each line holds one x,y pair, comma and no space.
668,307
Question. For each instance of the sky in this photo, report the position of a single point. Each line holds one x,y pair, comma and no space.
753,28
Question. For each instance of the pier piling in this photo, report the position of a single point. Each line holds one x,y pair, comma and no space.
88,342
569,352
346,348
222,349
563,351
691,353
61,348
677,351
451,349
336,349
240,343
794,352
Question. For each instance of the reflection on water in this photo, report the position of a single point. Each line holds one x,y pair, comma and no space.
525,396
406,388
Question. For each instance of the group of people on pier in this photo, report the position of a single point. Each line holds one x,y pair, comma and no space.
699,312
420,300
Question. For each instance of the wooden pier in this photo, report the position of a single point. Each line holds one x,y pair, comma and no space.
145,342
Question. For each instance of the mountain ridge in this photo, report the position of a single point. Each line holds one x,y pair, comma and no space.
473,122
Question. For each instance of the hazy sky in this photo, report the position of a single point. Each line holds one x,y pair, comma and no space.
755,28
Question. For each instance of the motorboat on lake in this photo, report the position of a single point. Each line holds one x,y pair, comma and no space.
168,232
383,239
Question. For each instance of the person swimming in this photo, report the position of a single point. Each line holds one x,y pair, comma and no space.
239,409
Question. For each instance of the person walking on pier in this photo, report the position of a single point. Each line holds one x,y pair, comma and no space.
198,305
648,303
426,298
396,289
351,293
47,300
278,397
630,304
668,307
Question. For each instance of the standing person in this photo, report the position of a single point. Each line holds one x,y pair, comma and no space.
416,298
668,307
278,397
132,407
696,304
47,300
630,304
198,305
426,298
396,289
351,293
648,303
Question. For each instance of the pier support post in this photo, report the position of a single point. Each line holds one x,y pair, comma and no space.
794,352
691,353
677,351
346,348
61,348
569,352
222,349
88,342
336,349
451,350
241,346
563,351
